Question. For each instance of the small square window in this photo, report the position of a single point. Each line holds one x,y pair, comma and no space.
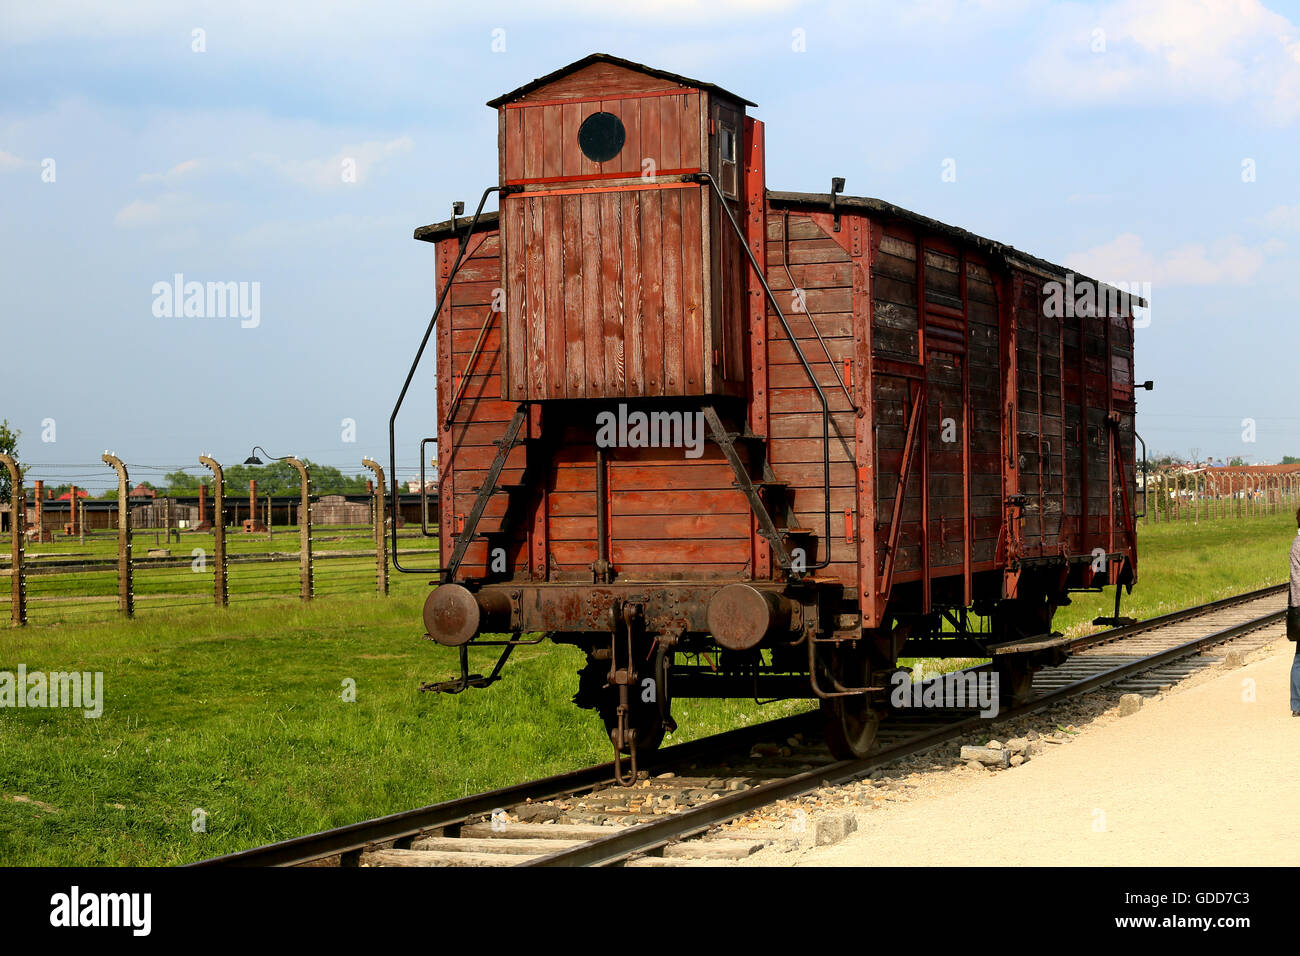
728,145
727,178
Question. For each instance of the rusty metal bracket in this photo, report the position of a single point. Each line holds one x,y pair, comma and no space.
381,552
468,680
623,615
17,517
904,474
220,586
306,580
125,592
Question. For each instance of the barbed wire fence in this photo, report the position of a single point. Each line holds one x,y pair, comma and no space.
1206,494
83,559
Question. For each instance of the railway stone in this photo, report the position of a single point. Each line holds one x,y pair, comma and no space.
834,827
994,745
1018,745
1130,704
538,813
1234,658
988,756
1017,760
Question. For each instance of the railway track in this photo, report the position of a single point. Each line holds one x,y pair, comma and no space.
582,819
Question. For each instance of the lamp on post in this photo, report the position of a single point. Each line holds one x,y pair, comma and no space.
252,525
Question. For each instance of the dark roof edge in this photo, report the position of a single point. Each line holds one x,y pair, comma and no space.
617,61
1011,254
445,230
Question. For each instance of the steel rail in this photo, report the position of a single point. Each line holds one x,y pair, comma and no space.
1175,617
650,836
410,823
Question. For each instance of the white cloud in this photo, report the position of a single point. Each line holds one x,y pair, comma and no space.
358,162
169,209
9,162
1283,217
1231,52
176,172
1126,259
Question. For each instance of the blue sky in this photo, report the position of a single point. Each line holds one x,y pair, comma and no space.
1107,136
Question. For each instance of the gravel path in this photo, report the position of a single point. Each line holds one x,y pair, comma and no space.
1203,775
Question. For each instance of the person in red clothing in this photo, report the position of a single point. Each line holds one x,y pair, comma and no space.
1294,601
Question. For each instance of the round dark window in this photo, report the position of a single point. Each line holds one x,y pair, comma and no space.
601,136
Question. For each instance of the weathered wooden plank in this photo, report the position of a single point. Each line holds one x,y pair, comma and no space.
593,332
611,286
652,315
673,327
467,844
575,353
440,858
693,307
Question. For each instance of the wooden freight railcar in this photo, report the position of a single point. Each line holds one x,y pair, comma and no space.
873,429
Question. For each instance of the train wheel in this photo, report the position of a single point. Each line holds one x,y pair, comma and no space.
851,724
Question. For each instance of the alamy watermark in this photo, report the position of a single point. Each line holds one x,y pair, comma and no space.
75,689
977,689
638,429
208,300
74,908
1088,299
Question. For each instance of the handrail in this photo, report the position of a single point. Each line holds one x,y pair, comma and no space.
1145,475
392,419
469,365
821,395
785,263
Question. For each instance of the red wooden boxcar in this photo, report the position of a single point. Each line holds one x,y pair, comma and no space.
875,429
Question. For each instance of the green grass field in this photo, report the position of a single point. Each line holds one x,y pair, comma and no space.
241,714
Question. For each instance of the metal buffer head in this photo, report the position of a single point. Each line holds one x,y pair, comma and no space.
740,616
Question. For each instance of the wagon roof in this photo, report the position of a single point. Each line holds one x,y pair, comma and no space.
616,61
1013,256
